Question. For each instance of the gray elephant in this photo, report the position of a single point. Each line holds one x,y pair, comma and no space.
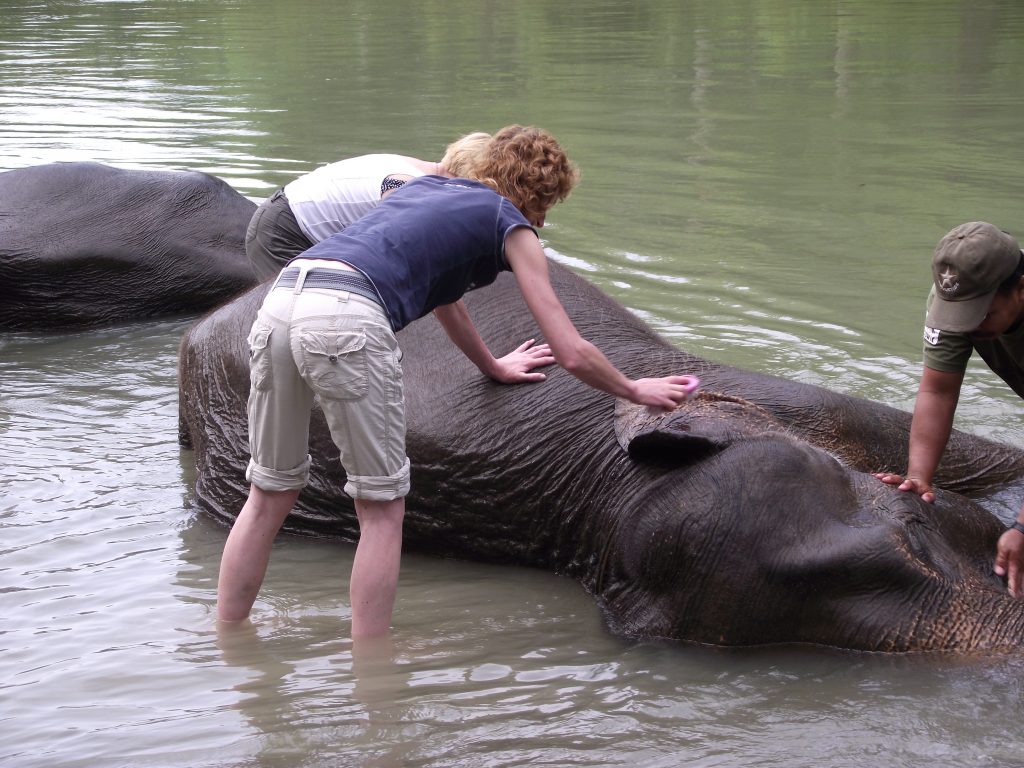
84,245
747,516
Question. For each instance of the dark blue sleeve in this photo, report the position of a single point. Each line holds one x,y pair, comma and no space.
509,218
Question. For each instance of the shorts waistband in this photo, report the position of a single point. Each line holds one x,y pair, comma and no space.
333,279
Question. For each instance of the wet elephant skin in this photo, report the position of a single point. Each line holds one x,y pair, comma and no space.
85,245
745,517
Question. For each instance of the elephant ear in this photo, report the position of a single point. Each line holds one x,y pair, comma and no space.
699,427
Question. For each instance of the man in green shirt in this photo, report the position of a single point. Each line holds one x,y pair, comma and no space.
975,304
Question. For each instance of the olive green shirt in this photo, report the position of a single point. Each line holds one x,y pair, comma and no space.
949,351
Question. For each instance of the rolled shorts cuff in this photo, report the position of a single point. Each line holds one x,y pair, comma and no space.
395,486
278,479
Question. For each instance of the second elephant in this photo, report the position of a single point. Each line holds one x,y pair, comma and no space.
84,245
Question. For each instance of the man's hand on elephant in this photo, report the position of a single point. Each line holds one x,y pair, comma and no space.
915,484
665,393
1010,560
517,367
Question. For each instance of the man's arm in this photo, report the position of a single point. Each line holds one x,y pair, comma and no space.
937,397
574,353
516,367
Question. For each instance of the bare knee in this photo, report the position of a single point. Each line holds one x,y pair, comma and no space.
273,504
380,513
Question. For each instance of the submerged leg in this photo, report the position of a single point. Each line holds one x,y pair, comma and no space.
376,565
247,550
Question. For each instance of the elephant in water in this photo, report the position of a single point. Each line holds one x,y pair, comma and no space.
84,245
747,516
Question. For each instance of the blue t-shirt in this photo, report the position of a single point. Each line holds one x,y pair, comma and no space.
427,244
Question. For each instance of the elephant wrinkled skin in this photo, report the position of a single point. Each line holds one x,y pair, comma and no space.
84,245
745,517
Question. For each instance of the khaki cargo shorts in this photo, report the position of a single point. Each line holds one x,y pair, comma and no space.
336,348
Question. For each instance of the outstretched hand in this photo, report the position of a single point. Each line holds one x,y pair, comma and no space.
1010,560
518,366
918,486
665,393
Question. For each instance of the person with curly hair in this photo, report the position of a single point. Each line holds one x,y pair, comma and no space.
526,166
328,199
327,330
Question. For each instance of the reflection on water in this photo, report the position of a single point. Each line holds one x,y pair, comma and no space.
763,182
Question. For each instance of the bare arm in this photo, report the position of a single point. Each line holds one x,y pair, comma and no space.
514,368
574,353
937,397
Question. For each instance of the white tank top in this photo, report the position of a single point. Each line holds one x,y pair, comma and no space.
327,200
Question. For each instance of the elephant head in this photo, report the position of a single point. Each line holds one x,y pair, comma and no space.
754,535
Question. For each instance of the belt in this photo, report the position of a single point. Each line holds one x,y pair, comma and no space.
336,279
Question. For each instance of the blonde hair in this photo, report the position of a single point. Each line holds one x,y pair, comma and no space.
526,165
460,154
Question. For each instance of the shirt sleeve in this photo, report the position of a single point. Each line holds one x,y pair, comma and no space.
510,218
946,351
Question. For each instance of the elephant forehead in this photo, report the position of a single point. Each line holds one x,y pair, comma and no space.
706,423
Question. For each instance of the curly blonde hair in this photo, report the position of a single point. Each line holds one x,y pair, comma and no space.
526,165
460,154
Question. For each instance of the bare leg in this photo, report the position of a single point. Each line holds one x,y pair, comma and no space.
375,568
247,550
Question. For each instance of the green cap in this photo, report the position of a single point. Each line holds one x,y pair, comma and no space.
969,265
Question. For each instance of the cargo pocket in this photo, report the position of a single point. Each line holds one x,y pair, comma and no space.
260,369
396,388
335,363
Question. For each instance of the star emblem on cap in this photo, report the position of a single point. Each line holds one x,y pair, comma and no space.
948,280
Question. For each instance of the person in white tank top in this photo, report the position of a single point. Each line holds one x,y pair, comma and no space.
325,201
330,198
